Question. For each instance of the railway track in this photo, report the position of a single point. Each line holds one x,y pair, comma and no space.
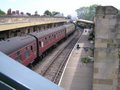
54,68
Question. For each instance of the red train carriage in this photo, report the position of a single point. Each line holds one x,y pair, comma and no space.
25,49
49,38
22,49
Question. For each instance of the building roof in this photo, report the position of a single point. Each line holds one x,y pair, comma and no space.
8,23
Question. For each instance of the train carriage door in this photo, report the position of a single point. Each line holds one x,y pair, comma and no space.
18,56
42,44
27,53
35,49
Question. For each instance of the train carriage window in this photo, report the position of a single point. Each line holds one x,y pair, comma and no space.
18,57
45,39
40,43
52,36
31,48
26,52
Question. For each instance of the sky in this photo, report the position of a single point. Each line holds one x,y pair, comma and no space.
67,7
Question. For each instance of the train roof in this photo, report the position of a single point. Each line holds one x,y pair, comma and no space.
48,31
13,44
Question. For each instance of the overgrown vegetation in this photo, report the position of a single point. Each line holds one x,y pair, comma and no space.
91,36
87,59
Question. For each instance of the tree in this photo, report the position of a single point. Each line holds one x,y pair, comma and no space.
119,11
87,13
69,17
9,12
29,14
2,12
55,13
82,12
47,12
36,14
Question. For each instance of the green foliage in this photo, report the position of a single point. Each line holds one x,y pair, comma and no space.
82,12
91,36
2,12
87,13
55,13
119,11
85,60
47,12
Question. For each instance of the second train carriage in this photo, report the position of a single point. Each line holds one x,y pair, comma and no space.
26,48
69,29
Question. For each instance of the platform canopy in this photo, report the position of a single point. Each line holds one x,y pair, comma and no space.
85,21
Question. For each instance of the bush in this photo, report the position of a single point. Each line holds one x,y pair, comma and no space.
85,60
91,36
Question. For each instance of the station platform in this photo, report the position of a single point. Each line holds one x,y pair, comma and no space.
76,75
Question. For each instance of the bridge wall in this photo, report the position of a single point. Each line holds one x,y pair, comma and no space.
106,52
